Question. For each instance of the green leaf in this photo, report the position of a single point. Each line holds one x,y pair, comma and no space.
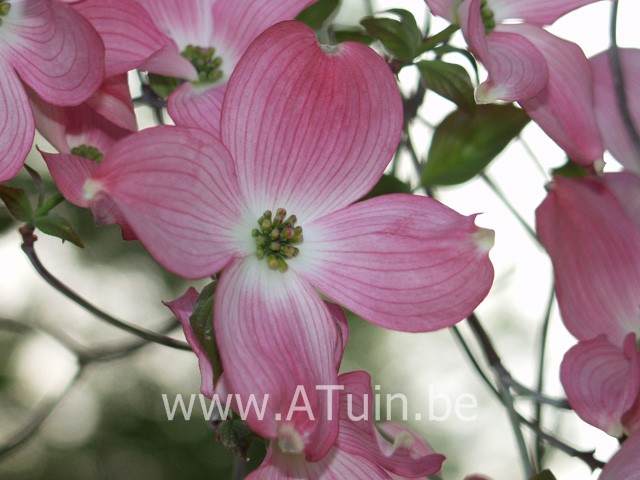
400,37
352,35
202,325
464,144
5,221
388,184
316,14
17,202
57,226
447,49
450,81
544,475
570,170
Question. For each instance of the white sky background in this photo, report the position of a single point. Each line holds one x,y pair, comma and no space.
418,365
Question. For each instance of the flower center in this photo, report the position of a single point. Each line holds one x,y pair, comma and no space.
487,17
87,151
5,8
206,62
276,237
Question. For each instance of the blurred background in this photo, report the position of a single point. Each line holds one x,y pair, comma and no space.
111,424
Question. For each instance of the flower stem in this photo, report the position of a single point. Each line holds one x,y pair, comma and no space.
438,38
47,206
28,240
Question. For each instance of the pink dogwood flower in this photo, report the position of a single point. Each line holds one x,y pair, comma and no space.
360,451
625,463
212,35
595,248
306,131
548,76
614,134
53,50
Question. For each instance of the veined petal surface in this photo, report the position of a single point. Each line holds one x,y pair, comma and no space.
177,188
311,130
400,261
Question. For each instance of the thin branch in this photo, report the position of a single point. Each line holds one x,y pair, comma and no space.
28,247
498,193
544,331
619,80
33,426
534,157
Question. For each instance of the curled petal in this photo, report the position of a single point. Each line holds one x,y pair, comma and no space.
564,109
602,381
614,133
177,188
16,123
277,336
359,437
55,51
113,101
128,33
70,173
625,463
328,142
626,188
400,261
197,106
595,250
182,308
168,61
444,8
517,70
538,12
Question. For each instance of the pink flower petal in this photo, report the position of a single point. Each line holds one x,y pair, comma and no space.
236,23
276,334
311,130
197,106
361,439
444,8
70,172
564,109
182,308
614,134
16,123
539,12
602,381
400,261
168,61
517,70
595,250
113,101
626,188
176,187
56,52
335,465
626,463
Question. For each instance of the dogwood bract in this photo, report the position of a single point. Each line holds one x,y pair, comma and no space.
307,130
53,50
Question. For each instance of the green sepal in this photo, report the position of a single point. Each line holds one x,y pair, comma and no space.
318,13
464,144
57,226
543,475
570,170
388,184
162,85
17,203
202,324
235,436
401,38
450,81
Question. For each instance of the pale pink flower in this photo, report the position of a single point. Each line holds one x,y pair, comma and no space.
360,452
310,130
53,50
227,27
548,76
614,133
595,248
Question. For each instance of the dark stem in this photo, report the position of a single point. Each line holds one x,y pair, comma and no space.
619,80
28,239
